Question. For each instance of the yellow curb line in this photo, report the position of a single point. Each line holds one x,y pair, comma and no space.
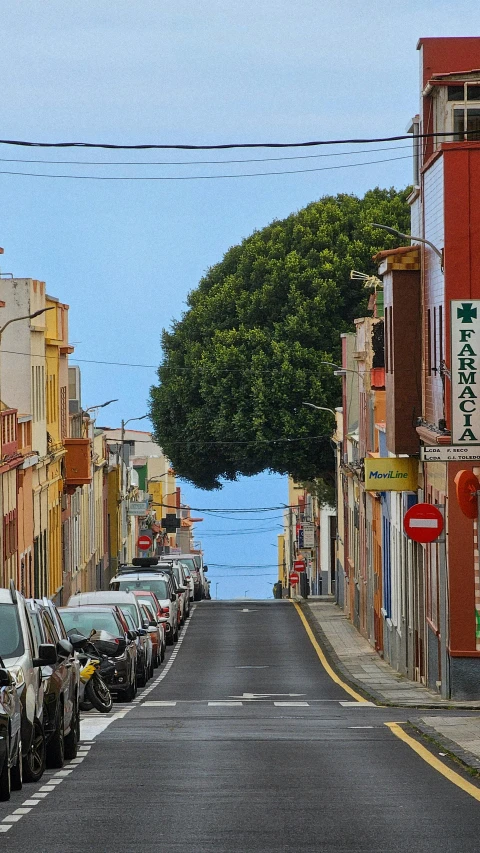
333,675
434,762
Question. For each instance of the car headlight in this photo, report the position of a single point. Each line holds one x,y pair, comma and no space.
18,675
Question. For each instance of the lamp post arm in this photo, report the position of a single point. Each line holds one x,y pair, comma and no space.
25,317
397,233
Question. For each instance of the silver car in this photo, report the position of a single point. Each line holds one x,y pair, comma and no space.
23,657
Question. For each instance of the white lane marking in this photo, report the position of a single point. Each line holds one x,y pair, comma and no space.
291,704
229,704
40,796
31,803
5,827
22,811
12,818
76,761
45,788
361,727
264,666
155,704
247,610
348,704
55,781
63,773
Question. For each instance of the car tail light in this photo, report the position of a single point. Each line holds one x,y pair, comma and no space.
165,611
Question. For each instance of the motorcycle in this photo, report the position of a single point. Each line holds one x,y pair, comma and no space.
97,671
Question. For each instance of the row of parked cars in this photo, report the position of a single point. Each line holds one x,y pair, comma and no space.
41,689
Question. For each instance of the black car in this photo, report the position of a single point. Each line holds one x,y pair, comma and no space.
106,626
61,716
10,735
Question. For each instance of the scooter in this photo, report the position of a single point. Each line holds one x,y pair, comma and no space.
95,674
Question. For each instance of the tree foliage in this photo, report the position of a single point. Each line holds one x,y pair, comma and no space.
247,353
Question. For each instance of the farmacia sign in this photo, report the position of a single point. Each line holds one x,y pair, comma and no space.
465,364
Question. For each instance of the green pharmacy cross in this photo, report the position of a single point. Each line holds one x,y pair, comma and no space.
467,313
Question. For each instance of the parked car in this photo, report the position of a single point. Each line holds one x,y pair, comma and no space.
104,623
155,632
127,603
61,715
10,735
23,656
162,585
193,562
149,598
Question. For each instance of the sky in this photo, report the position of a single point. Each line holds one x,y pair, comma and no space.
125,254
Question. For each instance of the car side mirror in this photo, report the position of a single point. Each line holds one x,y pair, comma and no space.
5,678
173,597
64,649
77,640
182,589
47,655
152,624
145,623
161,620
141,632
205,568
132,635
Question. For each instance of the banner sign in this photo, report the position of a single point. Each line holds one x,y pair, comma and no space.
397,474
465,369
138,508
308,534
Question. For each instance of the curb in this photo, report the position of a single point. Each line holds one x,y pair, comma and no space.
370,694
450,746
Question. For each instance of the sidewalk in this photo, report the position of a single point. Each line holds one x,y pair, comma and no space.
353,658
359,664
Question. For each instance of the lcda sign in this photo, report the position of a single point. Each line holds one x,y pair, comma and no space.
465,360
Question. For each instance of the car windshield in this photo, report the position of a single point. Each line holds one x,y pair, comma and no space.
85,621
132,609
11,638
158,586
190,564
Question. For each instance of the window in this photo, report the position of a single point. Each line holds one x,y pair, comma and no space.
429,342
466,124
11,639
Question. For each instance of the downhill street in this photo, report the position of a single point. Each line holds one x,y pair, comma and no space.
243,744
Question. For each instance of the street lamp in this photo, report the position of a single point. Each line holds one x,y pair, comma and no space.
216,590
247,590
100,406
397,233
321,408
17,319
122,432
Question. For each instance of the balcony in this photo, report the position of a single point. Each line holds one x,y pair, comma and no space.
8,434
78,462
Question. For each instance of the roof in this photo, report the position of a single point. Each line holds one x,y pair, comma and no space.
100,597
401,250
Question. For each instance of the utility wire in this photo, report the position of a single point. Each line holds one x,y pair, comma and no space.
198,162
225,146
202,177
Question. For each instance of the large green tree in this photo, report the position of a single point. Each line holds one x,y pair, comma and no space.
247,353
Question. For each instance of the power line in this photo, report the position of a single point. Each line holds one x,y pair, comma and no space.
201,177
197,162
225,146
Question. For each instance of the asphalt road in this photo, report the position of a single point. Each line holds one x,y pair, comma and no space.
259,775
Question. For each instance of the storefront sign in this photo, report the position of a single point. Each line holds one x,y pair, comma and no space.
138,508
308,534
465,369
391,475
450,453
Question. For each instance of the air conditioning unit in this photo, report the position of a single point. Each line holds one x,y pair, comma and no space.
74,407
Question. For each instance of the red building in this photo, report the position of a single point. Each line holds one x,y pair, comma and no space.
445,205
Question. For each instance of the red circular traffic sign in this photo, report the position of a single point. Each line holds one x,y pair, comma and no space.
294,578
299,566
423,523
144,543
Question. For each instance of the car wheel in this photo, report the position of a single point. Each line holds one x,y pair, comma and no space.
162,653
129,694
142,679
16,773
5,787
175,636
34,761
71,740
170,639
56,746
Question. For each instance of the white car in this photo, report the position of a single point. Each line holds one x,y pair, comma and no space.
159,583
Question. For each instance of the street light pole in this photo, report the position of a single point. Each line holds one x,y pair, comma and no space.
321,408
122,433
216,590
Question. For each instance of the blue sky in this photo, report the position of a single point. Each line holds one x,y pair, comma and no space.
124,255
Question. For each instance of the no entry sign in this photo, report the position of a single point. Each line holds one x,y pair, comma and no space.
294,578
299,566
423,523
144,543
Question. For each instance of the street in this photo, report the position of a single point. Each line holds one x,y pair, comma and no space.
243,743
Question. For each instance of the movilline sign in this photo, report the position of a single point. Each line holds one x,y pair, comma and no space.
395,474
465,369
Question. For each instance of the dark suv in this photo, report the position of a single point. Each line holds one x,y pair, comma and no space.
61,716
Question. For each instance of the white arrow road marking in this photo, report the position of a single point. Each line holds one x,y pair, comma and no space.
251,696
